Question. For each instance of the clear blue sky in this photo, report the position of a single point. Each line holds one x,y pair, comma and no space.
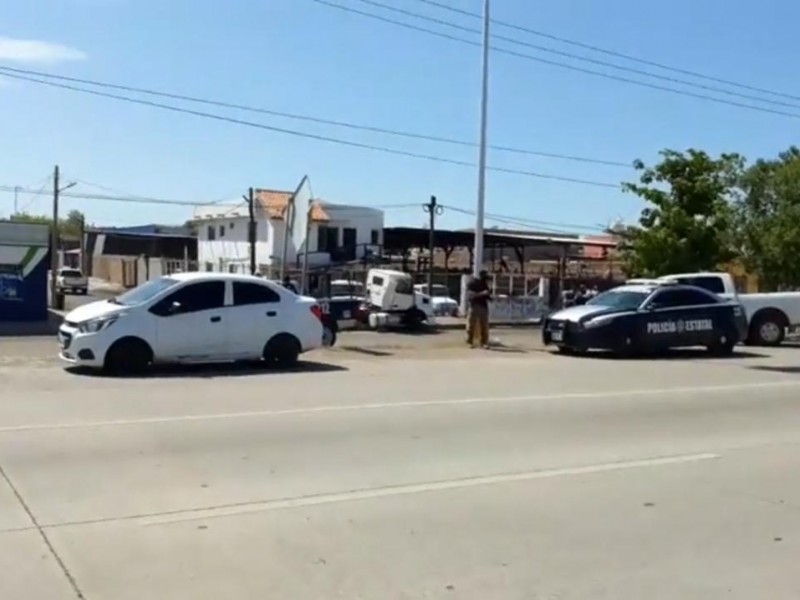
299,56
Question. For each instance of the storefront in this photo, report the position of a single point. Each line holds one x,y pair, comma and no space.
23,271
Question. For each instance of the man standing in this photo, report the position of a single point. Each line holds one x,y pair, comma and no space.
478,297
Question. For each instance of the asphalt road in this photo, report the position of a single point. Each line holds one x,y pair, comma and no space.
458,474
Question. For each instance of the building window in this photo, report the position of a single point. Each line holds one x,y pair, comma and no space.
375,237
209,266
222,231
327,239
231,225
212,233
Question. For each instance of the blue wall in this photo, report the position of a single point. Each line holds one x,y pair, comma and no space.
23,271
24,298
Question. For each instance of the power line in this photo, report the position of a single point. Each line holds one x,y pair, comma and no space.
149,200
614,53
562,65
528,223
21,190
312,119
578,57
312,136
78,195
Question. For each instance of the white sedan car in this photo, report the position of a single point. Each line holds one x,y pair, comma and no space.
192,318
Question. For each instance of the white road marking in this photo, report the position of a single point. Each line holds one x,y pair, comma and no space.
419,488
403,404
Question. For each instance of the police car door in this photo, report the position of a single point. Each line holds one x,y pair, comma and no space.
679,317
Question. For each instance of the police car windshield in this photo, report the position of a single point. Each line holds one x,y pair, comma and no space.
624,299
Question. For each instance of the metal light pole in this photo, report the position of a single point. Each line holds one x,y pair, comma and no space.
478,252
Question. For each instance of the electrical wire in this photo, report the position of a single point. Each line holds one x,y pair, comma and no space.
312,119
562,65
21,190
150,200
529,223
613,53
78,195
312,136
577,57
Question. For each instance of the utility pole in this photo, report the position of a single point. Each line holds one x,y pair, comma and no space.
433,211
309,213
478,253
251,229
83,262
16,199
54,238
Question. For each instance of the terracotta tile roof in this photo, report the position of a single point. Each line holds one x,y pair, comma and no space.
274,203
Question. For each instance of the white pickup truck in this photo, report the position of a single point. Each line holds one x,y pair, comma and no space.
769,315
71,280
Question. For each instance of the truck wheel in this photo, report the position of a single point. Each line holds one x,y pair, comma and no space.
768,329
414,318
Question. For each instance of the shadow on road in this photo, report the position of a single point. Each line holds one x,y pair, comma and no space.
677,354
366,351
791,370
240,369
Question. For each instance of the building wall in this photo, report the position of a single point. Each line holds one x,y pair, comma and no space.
363,219
232,250
24,267
230,245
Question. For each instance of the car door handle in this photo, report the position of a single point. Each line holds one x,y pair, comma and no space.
271,313
216,319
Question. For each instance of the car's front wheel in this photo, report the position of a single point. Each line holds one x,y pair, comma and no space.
128,356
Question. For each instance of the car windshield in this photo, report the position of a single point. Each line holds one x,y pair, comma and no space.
71,273
619,299
145,292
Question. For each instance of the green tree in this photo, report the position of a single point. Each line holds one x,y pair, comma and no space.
688,222
70,227
768,219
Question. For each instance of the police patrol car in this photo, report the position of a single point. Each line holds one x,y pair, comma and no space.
644,318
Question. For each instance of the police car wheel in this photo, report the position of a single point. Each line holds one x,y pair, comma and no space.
723,346
328,337
570,351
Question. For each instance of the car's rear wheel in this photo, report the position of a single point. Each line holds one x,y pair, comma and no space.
128,356
723,345
283,350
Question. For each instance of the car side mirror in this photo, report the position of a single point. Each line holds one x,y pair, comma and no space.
174,308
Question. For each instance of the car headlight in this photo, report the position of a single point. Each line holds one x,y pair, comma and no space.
95,325
597,322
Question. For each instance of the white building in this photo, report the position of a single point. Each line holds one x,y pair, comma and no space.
337,233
